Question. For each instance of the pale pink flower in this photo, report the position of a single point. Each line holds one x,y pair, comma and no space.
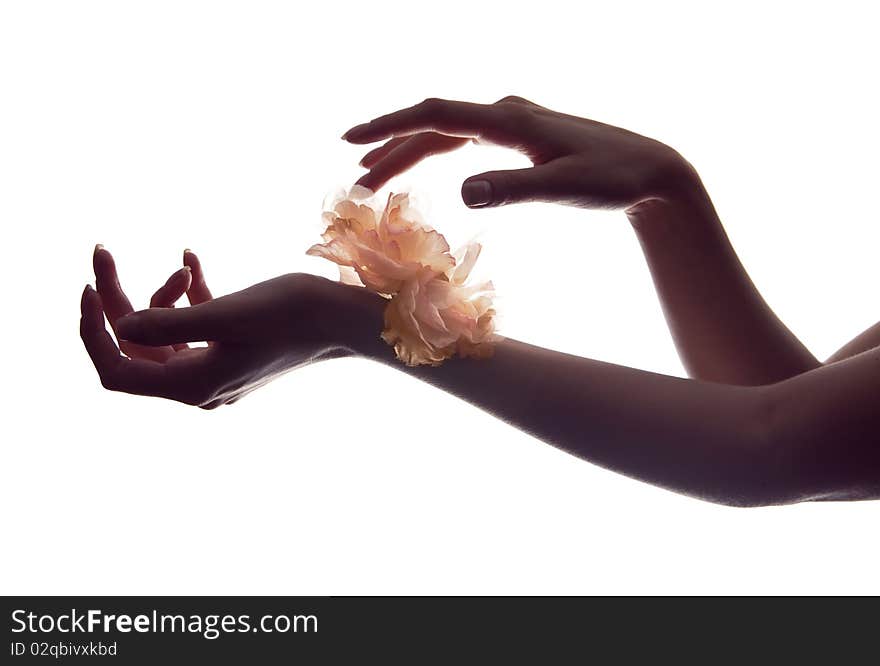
385,248
432,313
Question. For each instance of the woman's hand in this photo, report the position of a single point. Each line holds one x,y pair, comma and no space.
253,335
723,329
578,162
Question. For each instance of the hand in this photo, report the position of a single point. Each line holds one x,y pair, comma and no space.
253,335
577,162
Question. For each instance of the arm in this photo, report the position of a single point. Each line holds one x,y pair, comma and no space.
723,329
811,437
867,339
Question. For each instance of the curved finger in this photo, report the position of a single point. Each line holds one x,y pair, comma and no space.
170,292
407,155
117,372
98,343
116,304
449,117
198,291
377,154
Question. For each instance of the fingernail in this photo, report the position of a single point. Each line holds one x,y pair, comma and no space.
186,269
98,247
476,193
354,131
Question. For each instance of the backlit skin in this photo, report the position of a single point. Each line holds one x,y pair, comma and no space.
760,422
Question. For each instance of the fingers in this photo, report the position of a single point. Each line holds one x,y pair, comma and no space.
168,326
116,304
117,372
406,155
175,287
170,292
378,153
499,188
438,126
198,291
497,123
102,350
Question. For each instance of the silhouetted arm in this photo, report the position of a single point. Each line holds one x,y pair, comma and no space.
810,437
723,329
867,339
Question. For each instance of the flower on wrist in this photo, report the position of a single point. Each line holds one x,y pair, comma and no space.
433,311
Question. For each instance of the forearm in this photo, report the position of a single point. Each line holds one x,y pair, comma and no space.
704,440
723,329
868,339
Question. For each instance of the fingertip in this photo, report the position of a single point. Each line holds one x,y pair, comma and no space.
91,308
181,275
89,293
373,157
351,132
190,259
126,327
477,193
102,261
368,182
357,134
84,296
101,252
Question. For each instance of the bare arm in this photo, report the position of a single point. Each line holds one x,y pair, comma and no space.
867,339
811,437
723,329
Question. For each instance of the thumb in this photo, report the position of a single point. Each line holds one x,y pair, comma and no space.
168,326
499,188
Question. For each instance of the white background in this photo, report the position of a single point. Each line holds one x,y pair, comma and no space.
150,127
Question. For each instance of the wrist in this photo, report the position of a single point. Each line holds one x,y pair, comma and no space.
354,320
680,199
